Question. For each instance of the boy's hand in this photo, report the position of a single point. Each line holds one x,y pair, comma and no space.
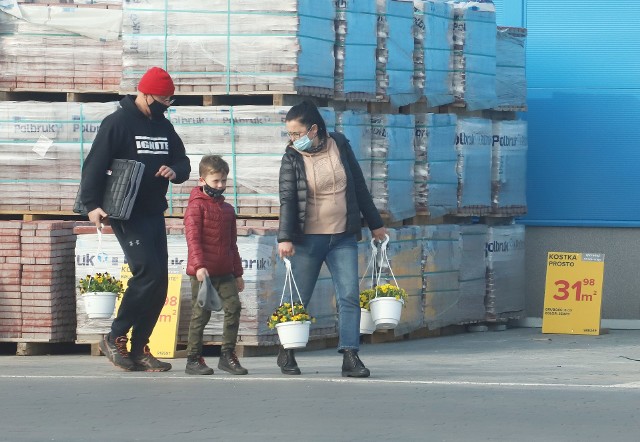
201,273
240,283
166,172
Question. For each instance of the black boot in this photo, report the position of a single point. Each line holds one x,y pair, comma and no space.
352,366
196,365
287,361
229,362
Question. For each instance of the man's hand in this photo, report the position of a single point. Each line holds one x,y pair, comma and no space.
240,283
286,249
201,273
96,216
166,172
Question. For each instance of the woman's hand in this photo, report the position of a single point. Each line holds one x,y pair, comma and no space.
379,234
201,273
286,249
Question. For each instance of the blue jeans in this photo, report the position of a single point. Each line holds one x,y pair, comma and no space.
340,253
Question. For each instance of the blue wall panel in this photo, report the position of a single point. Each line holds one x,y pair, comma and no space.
583,75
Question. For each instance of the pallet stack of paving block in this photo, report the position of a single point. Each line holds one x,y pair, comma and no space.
42,148
48,282
232,47
38,53
10,271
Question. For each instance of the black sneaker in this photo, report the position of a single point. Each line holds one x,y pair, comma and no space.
352,366
196,365
147,362
116,351
229,362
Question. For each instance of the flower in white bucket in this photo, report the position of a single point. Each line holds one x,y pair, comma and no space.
99,292
101,282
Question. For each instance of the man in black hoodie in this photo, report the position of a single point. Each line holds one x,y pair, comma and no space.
138,131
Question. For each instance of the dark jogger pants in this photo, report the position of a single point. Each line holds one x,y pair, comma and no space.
144,242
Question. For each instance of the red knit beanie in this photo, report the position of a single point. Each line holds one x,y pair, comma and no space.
156,81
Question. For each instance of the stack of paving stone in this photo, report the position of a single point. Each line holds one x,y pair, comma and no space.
224,47
10,271
47,281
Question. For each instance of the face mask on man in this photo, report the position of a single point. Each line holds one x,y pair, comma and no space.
157,109
212,192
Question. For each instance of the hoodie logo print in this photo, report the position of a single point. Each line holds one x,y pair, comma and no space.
152,145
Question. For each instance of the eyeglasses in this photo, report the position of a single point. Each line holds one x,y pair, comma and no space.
164,99
297,135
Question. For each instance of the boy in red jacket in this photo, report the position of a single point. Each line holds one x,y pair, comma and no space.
210,228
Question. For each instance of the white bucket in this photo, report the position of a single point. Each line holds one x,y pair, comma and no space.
99,305
386,312
293,334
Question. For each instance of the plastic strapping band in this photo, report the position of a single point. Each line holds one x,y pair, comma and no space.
81,137
166,33
234,157
229,53
171,195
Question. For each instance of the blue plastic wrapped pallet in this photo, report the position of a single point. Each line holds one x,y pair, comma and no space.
505,272
399,67
438,52
355,51
356,126
437,135
441,258
509,167
473,268
474,37
473,144
511,80
393,162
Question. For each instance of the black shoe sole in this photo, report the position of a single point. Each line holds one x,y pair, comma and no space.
291,371
348,374
151,370
231,371
198,373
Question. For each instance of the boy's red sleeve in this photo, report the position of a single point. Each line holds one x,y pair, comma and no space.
193,218
237,262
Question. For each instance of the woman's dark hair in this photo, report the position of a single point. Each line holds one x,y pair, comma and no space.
307,113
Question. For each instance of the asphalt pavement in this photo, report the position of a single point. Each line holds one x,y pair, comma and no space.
513,385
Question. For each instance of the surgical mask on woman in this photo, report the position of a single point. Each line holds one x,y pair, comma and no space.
304,143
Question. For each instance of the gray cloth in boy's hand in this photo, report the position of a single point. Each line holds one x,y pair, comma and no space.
208,297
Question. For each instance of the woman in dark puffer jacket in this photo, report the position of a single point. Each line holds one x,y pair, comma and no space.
322,194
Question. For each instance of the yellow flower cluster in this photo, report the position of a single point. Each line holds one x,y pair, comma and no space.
100,282
288,313
381,291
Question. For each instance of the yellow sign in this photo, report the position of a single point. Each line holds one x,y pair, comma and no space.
573,293
164,338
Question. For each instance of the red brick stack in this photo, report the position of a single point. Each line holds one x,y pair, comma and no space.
10,271
48,281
